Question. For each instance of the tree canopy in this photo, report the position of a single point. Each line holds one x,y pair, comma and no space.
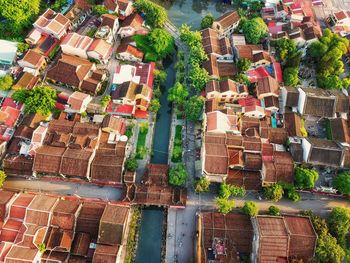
198,77
2,177
274,192
202,185
22,47
228,190
38,100
305,178
250,208
178,93
224,205
327,249
6,82
274,211
254,30
155,15
207,21
191,38
99,10
154,105
290,76
339,224
131,164
194,108
178,175
342,182
243,64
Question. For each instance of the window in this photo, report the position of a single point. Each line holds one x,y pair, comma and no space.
218,27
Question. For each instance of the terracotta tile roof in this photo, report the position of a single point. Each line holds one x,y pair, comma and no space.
18,207
90,85
20,254
76,162
278,135
134,20
127,48
109,20
324,152
81,244
64,214
252,161
292,123
339,129
54,256
219,69
123,4
77,41
9,116
216,158
228,19
292,97
106,253
33,58
114,123
319,102
26,81
212,44
48,159
101,47
263,55
5,197
110,4
248,51
267,85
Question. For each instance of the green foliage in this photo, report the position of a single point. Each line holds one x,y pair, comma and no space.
144,127
129,130
177,153
91,32
54,52
191,38
320,224
198,77
207,21
105,100
159,76
243,64
177,148
339,224
274,192
84,114
154,105
290,76
178,93
178,175
6,82
22,47
38,100
284,48
131,164
58,5
254,30
42,248
274,211
141,152
141,149
305,178
2,177
290,192
241,78
342,182
133,233
224,206
99,10
155,15
197,55
250,208
228,190
202,185
156,45
193,108
18,13
327,250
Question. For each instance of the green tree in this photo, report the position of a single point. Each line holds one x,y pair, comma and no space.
290,76
254,30
42,248
320,224
22,47
131,164
250,208
342,182
162,42
327,250
154,105
144,127
305,178
202,185
243,64
178,94
155,15
58,5
198,77
339,224
274,192
237,190
224,191
105,100
274,211
191,38
197,55
317,49
224,206
99,10
160,75
177,153
207,21
178,175
284,48
38,100
2,177
19,13
6,82
193,108
241,78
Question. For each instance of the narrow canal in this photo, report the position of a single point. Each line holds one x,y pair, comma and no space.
150,238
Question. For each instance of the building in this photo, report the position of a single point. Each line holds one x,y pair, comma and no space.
100,50
266,87
26,80
128,52
131,25
225,90
7,56
226,24
112,22
219,122
78,102
32,62
220,47
76,45
340,22
217,69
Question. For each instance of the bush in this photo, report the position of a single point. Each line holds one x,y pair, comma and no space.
250,208
305,178
342,182
155,15
99,10
274,211
207,21
224,206
202,185
274,192
339,224
131,164
178,175
105,100
6,82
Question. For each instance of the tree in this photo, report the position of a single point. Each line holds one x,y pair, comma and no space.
284,48
207,21
224,191
191,38
144,127
274,192
327,250
99,10
224,206
274,211
250,208
241,78
342,182
22,47
317,49
237,190
154,105
197,55
160,75
131,164
243,64
178,175
105,100
38,100
290,76
198,77
178,93
2,177
305,178
155,15
58,5
254,30
19,13
194,108
339,224
6,82
177,153
202,185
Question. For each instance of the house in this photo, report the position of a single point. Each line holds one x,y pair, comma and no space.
219,122
140,73
323,152
112,22
246,51
225,90
52,23
220,47
89,218
293,124
111,5
6,198
100,50
340,22
130,25
337,129
76,73
226,24
106,253
128,52
262,58
316,102
289,98
294,236
254,111
7,56
267,86
39,212
78,102
218,69
112,224
76,45
8,119
26,81
65,214
32,62
271,103
114,124
78,14
125,8
279,169
22,255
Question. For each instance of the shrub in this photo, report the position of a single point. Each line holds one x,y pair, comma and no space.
202,185
274,211
131,164
250,208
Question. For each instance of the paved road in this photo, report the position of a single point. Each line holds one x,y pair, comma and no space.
64,188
